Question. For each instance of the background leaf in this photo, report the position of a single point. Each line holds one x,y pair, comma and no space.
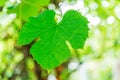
28,8
2,2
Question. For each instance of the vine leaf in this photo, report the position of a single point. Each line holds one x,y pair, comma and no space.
51,50
27,8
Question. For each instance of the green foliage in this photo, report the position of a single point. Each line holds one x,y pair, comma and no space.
28,8
51,50
2,2
98,58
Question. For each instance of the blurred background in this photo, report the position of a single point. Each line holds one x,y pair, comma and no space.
98,60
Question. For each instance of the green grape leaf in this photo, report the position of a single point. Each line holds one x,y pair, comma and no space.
51,50
28,8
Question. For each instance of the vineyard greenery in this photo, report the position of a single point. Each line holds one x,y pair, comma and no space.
59,39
